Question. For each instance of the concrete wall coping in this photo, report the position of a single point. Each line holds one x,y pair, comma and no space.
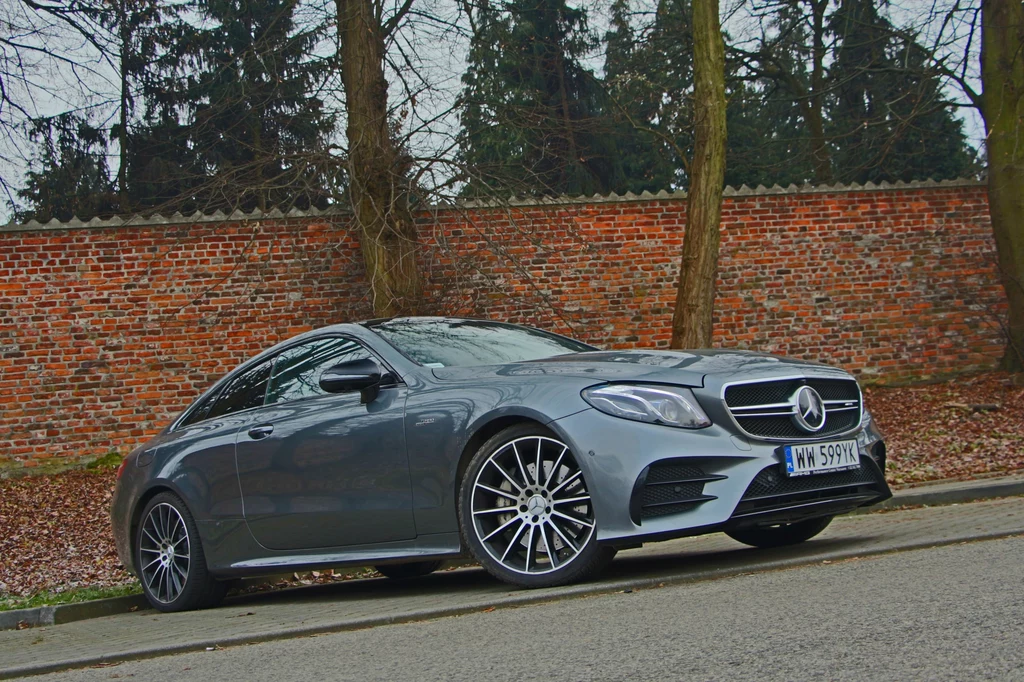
217,216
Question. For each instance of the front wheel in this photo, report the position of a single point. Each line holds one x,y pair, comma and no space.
780,535
526,513
170,560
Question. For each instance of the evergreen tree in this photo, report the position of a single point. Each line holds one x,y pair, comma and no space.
650,81
161,51
649,84
228,116
73,178
257,122
887,116
531,114
768,140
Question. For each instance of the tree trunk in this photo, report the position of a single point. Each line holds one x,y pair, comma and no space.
695,299
1002,74
376,183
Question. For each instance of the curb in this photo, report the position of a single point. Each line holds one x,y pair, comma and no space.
69,613
933,494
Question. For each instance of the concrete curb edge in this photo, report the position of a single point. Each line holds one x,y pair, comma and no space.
69,613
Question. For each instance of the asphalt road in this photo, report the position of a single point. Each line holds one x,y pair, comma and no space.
947,613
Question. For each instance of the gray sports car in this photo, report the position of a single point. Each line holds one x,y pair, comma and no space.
400,443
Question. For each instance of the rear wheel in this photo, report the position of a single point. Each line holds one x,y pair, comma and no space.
413,569
169,557
780,535
526,513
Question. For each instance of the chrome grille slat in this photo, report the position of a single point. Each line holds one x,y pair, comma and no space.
763,409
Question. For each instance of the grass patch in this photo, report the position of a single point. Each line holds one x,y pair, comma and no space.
73,596
111,460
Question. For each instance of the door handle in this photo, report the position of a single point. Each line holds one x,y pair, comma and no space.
262,431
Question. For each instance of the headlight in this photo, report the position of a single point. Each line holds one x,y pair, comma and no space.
668,405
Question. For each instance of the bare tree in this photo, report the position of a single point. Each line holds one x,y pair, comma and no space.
382,167
51,61
1002,106
1000,101
695,298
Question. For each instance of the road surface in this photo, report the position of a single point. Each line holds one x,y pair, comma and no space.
946,613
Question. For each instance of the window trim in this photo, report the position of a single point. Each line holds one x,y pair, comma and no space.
346,337
218,388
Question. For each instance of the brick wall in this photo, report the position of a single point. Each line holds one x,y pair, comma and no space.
107,330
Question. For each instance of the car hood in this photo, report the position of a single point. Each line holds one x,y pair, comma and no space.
686,368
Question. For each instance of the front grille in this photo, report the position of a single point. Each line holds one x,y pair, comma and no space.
669,487
763,409
772,489
783,428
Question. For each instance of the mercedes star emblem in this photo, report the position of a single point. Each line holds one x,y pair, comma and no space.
809,414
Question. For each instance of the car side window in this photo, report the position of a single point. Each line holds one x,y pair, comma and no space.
297,370
199,414
245,391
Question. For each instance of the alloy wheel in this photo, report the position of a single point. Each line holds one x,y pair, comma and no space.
165,553
530,506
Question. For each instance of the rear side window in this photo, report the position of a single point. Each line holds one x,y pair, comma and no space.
297,370
245,391
199,414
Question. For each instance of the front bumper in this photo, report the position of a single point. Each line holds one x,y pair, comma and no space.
652,482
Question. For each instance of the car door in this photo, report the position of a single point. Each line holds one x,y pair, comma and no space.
325,470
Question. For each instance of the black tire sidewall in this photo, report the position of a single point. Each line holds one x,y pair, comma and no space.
591,558
781,536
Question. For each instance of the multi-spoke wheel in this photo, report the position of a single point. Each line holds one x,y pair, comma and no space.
169,558
526,511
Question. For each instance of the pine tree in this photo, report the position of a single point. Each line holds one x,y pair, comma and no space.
531,115
227,113
73,177
161,168
769,141
888,120
648,84
256,122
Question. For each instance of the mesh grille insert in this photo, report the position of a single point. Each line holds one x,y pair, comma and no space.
782,427
772,490
670,488
773,481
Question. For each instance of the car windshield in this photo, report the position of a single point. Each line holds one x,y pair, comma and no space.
465,343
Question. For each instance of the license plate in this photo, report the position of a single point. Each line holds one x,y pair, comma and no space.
820,458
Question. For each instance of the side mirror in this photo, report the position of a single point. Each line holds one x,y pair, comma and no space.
354,375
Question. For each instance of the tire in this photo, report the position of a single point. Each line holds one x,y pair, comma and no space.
414,569
525,528
781,535
169,558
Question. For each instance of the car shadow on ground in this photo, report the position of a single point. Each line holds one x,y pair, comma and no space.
647,564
